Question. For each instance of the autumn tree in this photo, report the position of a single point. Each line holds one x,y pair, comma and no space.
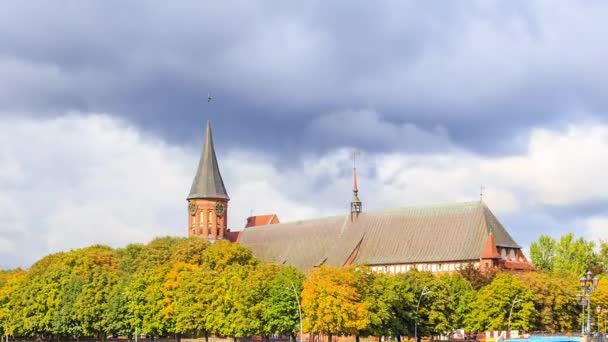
554,301
10,282
475,276
332,303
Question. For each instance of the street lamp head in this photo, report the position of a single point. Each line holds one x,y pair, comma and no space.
595,281
598,309
583,281
589,275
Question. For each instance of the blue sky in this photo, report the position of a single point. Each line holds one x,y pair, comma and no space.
103,105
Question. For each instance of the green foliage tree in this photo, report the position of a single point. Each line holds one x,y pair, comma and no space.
390,301
603,257
193,303
117,318
462,296
542,253
493,304
567,257
281,315
435,309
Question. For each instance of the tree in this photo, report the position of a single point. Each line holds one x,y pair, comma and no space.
436,307
603,256
493,304
10,282
390,300
281,315
193,301
462,296
554,301
117,317
331,302
575,256
542,253
99,275
476,277
224,253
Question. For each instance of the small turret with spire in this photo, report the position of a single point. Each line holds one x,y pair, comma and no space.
355,204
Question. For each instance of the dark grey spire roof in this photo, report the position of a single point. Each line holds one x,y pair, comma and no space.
208,181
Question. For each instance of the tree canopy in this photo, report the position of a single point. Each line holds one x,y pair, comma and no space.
190,287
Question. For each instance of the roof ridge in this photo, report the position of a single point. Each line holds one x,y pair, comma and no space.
444,206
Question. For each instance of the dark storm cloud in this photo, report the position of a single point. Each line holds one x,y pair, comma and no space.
484,73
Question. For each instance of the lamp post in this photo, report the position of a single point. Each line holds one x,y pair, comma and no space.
515,300
582,301
588,284
423,293
598,309
605,319
293,288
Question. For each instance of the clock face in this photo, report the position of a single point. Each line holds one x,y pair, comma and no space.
220,209
192,208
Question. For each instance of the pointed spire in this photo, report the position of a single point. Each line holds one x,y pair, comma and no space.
208,181
355,204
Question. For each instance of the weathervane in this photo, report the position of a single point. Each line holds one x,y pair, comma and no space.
209,97
354,155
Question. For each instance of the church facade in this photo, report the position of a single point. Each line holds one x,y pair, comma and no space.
438,239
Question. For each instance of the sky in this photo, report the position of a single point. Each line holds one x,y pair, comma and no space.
103,108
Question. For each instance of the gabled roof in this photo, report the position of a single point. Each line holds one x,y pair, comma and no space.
453,232
261,220
208,181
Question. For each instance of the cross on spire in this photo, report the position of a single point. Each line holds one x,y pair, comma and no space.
355,204
354,155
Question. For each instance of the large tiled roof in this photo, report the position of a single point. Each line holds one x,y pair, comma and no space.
208,181
454,232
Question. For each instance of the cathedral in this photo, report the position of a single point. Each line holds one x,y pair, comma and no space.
440,238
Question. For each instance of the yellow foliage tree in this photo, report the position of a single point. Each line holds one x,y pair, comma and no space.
332,303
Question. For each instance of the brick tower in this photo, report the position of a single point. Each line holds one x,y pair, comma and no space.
208,200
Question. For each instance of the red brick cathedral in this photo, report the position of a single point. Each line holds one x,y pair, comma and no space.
438,238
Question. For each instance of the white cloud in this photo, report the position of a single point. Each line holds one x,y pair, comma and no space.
597,228
83,179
